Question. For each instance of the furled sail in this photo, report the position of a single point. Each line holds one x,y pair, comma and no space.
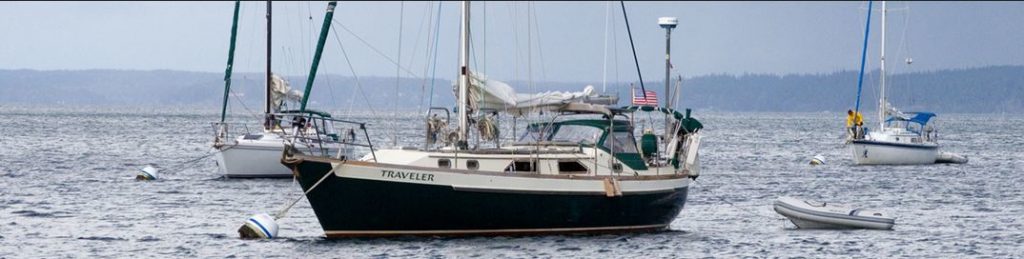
281,91
486,94
895,113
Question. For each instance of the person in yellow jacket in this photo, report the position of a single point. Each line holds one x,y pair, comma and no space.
854,121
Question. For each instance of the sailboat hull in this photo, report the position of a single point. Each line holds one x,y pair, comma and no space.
253,160
868,152
364,199
257,156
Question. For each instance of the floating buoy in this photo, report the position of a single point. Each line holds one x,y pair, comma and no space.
259,226
818,160
263,225
147,173
950,158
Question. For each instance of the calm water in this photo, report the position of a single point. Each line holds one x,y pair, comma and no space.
67,190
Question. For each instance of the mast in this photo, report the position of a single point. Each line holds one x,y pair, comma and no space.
231,63
319,50
863,56
881,93
464,77
668,23
266,103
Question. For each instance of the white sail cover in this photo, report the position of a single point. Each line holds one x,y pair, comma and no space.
892,111
280,91
492,94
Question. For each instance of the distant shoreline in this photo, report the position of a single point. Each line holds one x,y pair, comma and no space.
985,90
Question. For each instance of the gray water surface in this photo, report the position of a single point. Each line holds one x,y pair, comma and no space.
67,190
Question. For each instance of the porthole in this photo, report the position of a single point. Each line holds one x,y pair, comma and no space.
444,163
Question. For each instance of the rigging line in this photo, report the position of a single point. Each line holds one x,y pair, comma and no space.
529,49
433,70
483,67
330,86
419,34
374,48
359,86
863,57
472,48
300,46
908,57
305,32
615,52
252,39
255,115
540,49
426,59
515,39
604,58
308,44
635,60
398,76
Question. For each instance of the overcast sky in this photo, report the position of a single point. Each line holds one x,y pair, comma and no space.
568,39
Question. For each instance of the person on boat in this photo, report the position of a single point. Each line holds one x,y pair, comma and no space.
854,121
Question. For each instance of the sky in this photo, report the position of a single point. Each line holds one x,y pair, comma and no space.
542,41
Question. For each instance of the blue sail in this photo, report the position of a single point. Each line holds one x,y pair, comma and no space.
863,56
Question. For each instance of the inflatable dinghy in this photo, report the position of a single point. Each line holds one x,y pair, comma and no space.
820,215
950,158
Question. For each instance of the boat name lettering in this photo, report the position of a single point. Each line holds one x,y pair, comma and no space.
407,175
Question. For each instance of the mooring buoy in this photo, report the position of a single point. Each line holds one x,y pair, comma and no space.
818,160
259,226
147,173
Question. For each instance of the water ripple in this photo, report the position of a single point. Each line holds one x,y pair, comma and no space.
71,193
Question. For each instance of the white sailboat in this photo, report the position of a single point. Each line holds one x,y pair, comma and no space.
581,172
258,154
902,138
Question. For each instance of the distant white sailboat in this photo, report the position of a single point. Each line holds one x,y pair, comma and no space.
901,138
258,155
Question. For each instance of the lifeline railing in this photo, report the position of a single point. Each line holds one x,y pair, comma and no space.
318,135
224,133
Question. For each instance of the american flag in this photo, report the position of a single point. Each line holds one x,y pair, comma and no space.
650,99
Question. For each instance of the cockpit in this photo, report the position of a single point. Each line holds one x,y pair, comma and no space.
584,132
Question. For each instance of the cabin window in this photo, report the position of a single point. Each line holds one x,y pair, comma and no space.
620,142
520,166
472,164
577,134
571,167
444,163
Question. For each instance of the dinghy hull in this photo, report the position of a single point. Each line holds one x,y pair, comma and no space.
816,215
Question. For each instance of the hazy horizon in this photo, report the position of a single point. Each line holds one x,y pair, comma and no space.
567,39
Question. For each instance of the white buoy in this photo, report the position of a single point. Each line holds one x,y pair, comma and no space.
259,226
950,158
147,173
265,226
818,160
